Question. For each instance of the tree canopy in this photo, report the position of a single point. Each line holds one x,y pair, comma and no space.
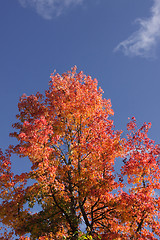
73,147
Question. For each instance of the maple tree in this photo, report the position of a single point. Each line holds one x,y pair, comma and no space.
73,148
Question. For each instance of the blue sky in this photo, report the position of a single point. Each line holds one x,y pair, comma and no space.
115,41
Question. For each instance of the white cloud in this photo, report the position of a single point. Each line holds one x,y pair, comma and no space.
143,42
49,8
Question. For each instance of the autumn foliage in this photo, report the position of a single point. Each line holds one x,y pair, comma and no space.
72,185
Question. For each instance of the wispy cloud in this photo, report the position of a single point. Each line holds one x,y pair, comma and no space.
143,42
50,8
